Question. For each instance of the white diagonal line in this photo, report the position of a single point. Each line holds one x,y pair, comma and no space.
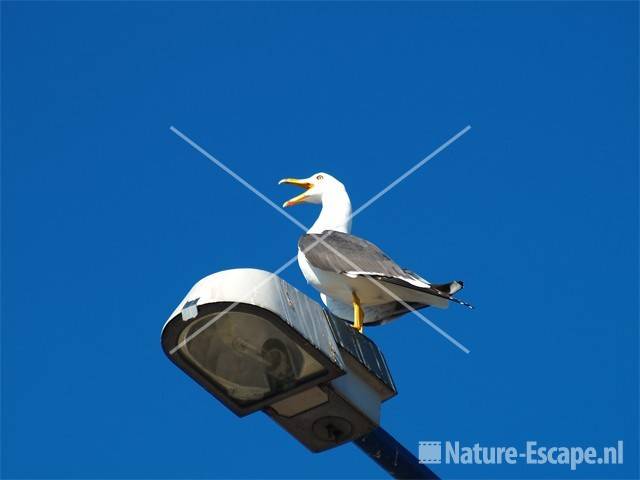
411,170
320,239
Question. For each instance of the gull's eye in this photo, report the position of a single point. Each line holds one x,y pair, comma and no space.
319,177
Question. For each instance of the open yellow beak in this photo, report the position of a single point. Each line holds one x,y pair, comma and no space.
300,183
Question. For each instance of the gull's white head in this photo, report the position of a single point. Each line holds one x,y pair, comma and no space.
330,192
318,187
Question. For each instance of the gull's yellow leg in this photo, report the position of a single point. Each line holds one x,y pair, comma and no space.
358,313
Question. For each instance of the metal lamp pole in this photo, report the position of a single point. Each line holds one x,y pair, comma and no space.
387,452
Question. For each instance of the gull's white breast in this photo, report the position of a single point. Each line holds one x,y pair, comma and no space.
331,284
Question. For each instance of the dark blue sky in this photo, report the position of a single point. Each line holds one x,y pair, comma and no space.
108,218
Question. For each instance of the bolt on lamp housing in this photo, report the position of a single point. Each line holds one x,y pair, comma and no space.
256,343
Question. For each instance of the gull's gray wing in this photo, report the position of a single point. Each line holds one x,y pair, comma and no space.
353,256
344,253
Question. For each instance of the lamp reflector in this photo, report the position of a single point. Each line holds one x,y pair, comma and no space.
247,357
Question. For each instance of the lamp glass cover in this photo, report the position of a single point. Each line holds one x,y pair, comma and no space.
247,357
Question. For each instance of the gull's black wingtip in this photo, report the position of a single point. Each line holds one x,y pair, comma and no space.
462,302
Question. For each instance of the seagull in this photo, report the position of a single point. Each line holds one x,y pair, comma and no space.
354,277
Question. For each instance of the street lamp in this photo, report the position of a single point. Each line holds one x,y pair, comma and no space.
256,343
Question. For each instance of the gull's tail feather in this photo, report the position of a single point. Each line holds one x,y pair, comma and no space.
450,288
444,291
